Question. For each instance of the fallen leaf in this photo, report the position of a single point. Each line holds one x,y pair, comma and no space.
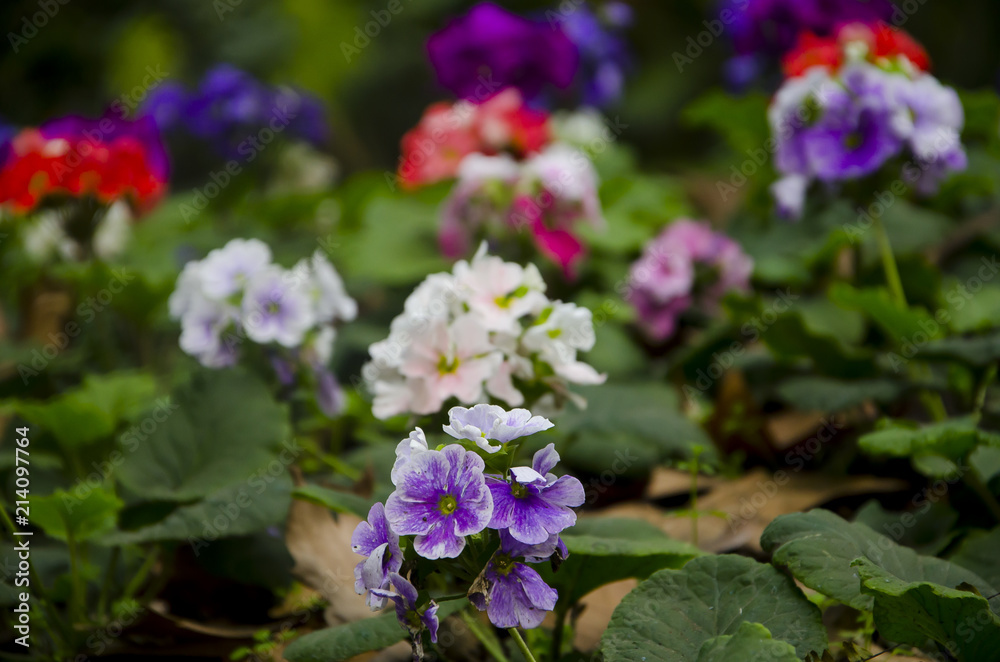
324,561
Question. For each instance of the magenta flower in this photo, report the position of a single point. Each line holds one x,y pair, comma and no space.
441,497
535,504
513,594
375,540
409,617
490,48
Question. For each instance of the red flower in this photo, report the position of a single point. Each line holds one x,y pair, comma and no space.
447,133
884,43
812,51
109,159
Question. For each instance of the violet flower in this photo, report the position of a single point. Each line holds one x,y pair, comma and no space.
441,497
409,617
490,48
511,593
376,541
535,504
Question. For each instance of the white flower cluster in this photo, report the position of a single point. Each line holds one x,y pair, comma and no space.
487,328
238,293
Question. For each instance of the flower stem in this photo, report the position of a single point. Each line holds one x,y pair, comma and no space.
523,647
889,264
486,636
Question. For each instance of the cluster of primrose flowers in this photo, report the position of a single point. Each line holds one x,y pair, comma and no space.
476,516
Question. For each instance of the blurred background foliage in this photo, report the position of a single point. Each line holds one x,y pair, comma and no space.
90,54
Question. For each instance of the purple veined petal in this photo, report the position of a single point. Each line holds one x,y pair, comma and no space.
502,605
440,542
359,582
473,516
409,518
541,596
519,423
545,459
430,620
531,520
473,423
535,519
405,589
566,491
373,569
425,477
503,505
416,442
370,534
527,475
383,595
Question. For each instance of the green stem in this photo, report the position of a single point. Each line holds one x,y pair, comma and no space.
485,636
78,597
973,480
984,385
140,576
523,647
337,465
457,596
109,576
889,264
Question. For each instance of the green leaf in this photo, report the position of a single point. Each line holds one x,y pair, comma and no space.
675,613
397,226
645,416
223,430
604,550
900,324
82,515
976,351
742,120
978,553
816,393
345,641
92,411
953,439
752,641
913,612
341,502
236,510
818,548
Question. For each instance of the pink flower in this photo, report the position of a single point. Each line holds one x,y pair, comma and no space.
449,361
687,266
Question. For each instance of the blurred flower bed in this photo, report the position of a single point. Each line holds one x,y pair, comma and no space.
468,331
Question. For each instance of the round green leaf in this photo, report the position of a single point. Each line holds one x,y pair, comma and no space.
674,613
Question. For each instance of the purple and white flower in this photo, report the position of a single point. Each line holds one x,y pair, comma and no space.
237,294
276,308
511,593
441,497
535,504
374,540
227,270
405,597
484,423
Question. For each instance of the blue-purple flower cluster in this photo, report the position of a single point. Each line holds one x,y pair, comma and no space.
230,105
832,126
460,500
